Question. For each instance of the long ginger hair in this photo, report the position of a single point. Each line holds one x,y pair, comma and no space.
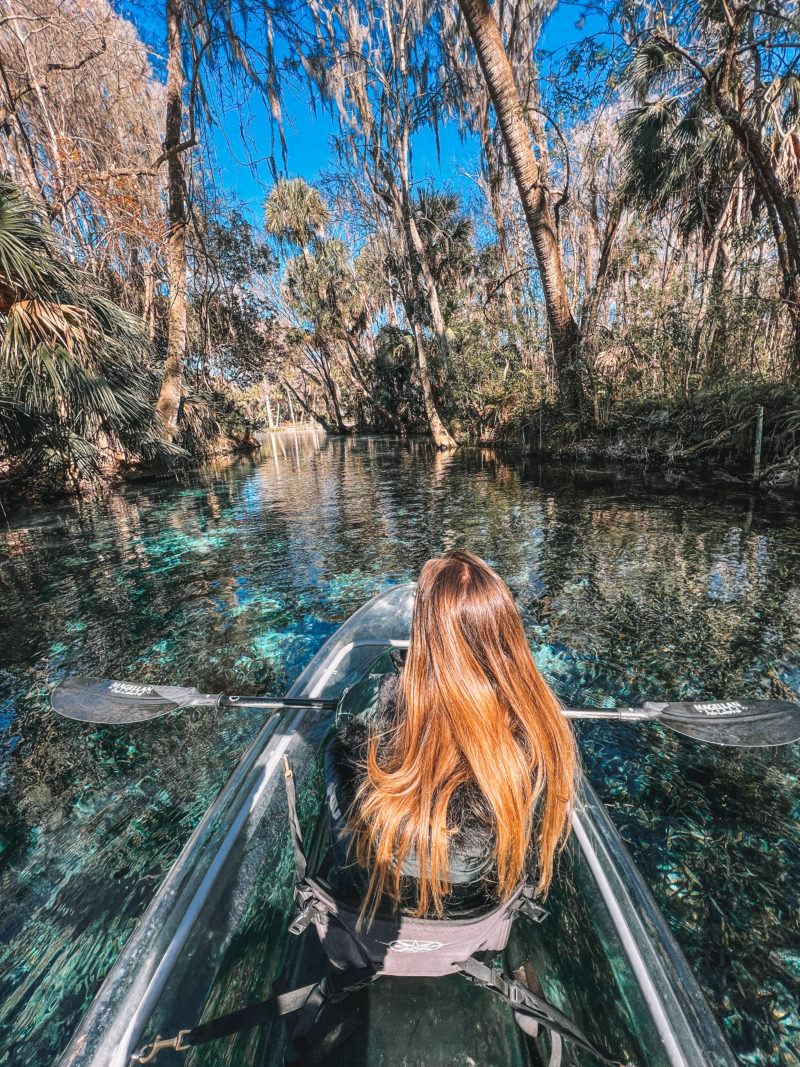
472,710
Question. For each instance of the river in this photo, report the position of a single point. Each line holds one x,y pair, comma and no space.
232,577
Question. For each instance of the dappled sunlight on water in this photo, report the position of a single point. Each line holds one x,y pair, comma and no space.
232,578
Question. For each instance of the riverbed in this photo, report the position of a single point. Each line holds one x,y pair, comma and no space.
231,578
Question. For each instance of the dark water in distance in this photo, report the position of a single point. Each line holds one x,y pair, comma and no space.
231,579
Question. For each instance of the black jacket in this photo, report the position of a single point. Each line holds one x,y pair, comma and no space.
471,864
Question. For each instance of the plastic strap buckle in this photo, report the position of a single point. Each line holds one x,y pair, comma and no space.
301,920
306,904
513,992
531,910
528,905
333,992
487,977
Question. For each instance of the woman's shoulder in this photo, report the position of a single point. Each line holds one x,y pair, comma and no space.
360,701
354,728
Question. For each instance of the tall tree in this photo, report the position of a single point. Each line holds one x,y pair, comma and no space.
718,92
533,192
169,397
209,47
373,71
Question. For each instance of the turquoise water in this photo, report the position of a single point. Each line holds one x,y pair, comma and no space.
232,578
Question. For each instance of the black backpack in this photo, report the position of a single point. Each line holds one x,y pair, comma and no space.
390,944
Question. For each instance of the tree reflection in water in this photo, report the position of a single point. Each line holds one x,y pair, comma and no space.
231,579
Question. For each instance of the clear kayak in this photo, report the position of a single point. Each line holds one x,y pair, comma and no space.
215,937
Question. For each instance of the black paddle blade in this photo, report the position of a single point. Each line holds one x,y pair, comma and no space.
744,724
103,701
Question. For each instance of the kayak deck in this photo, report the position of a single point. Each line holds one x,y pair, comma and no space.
215,936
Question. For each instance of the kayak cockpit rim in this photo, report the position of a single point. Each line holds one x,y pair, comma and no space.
342,654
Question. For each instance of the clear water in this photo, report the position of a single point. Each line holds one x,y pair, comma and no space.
230,580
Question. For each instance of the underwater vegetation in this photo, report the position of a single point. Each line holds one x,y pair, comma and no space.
232,578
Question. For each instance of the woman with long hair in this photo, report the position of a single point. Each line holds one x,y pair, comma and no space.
460,778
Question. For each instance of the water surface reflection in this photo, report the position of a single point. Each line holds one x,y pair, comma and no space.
231,579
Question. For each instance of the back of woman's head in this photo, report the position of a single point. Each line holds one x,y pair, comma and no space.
472,710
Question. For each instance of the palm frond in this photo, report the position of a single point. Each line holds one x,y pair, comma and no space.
650,67
790,88
295,212
73,366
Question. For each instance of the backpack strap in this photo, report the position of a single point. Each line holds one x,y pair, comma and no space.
305,1003
305,889
300,862
528,1008
304,896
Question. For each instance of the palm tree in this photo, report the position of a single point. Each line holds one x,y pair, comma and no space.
446,234
677,157
323,293
295,213
74,383
714,101
533,192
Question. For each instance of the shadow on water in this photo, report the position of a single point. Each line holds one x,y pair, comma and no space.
232,578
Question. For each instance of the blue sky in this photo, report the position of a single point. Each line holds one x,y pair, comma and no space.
308,134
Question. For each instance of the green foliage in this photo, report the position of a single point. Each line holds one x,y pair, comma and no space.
295,212
325,289
234,335
212,420
75,388
395,383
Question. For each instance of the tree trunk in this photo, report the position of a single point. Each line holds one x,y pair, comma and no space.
589,322
170,397
431,292
438,430
441,437
535,201
310,410
781,208
269,405
323,362
417,249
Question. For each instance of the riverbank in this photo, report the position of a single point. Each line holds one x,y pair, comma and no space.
20,484
708,438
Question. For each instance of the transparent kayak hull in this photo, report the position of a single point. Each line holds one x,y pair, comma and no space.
215,938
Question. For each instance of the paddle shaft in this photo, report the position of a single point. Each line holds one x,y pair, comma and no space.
224,701
627,714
